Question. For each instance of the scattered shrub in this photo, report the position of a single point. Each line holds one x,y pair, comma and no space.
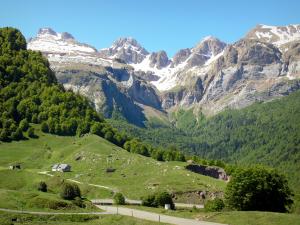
70,191
42,186
149,201
119,199
214,205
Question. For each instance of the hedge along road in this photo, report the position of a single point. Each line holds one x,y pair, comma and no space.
153,216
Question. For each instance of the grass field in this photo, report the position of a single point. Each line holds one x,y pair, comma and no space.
90,156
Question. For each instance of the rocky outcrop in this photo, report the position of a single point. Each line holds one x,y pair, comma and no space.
212,171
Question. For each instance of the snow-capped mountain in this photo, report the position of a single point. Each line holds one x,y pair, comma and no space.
210,76
63,48
158,63
276,35
49,41
126,49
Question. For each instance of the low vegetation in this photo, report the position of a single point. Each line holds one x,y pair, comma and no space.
70,191
214,205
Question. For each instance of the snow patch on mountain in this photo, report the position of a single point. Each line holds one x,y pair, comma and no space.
49,41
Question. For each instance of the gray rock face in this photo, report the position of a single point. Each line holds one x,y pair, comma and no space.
181,56
254,52
114,91
207,48
66,35
183,97
159,59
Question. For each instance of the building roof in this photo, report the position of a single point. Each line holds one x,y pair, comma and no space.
60,166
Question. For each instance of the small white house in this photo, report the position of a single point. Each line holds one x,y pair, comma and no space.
61,167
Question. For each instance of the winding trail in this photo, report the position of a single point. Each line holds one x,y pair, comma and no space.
79,182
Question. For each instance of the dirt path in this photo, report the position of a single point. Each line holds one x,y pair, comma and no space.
154,216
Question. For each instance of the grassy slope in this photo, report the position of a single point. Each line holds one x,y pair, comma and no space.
135,175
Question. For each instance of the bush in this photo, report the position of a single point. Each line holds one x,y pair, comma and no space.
70,191
31,132
24,125
44,127
214,205
164,198
149,201
42,186
119,199
258,188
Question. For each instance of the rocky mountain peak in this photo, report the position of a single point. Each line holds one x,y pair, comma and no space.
209,46
126,41
159,59
66,35
46,31
126,49
49,33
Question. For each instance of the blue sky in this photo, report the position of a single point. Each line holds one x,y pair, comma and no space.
156,24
